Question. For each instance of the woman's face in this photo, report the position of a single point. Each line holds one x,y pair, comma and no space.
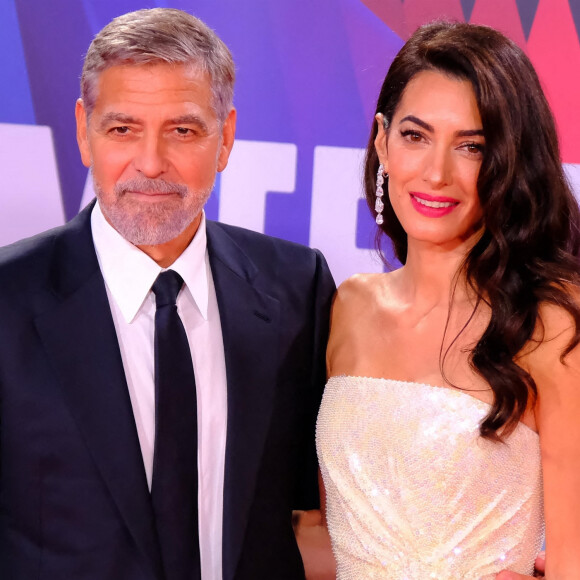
432,152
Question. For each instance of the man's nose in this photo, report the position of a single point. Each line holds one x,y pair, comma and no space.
150,158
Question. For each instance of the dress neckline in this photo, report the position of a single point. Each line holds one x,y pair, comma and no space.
452,390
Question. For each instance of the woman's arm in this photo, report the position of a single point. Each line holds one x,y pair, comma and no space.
557,412
314,541
540,567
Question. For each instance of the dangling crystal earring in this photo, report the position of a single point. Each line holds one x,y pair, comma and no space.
379,205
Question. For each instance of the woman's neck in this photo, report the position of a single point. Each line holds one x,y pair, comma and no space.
431,274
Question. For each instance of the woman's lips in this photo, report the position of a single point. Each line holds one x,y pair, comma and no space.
433,205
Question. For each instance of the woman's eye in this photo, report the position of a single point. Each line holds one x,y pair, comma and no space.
413,136
474,148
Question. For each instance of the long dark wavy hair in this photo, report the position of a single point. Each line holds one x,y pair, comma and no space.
528,253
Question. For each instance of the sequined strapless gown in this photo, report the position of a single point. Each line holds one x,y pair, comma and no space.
413,492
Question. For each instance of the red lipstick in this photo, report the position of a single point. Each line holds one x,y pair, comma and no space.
432,205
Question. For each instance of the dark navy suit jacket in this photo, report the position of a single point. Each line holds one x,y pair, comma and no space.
74,503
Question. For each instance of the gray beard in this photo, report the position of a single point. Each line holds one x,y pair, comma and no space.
151,224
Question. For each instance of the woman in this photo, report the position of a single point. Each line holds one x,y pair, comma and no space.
454,389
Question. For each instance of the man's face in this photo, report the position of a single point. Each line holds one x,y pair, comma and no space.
154,145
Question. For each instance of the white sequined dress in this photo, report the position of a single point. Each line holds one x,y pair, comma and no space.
413,492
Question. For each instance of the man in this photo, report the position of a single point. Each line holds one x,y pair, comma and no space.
93,485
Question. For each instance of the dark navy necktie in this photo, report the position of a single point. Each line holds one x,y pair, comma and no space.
174,484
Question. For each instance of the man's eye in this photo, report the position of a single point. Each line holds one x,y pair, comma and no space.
183,131
120,130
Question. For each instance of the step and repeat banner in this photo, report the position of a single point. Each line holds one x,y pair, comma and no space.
308,74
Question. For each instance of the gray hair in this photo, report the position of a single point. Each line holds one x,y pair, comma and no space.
161,35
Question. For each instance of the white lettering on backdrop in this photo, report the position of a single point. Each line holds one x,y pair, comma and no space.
31,201
30,198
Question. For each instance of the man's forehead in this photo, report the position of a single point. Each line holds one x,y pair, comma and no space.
152,76
128,88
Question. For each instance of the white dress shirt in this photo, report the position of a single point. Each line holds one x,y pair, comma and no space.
129,274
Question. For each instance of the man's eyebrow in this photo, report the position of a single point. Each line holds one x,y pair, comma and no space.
189,119
114,117
428,127
124,119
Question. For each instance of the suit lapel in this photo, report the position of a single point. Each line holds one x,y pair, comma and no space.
249,319
79,337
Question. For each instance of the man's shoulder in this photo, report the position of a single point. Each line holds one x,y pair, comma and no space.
280,261
29,254
28,248
262,248
250,238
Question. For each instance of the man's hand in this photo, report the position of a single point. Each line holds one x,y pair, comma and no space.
540,565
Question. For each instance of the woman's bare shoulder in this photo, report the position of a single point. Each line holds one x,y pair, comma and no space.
354,316
362,288
546,356
555,328
353,296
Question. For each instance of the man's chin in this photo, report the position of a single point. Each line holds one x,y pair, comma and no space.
152,223
148,230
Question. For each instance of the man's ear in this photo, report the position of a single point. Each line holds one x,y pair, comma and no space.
82,133
381,142
227,140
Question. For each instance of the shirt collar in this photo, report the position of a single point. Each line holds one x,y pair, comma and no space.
129,273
